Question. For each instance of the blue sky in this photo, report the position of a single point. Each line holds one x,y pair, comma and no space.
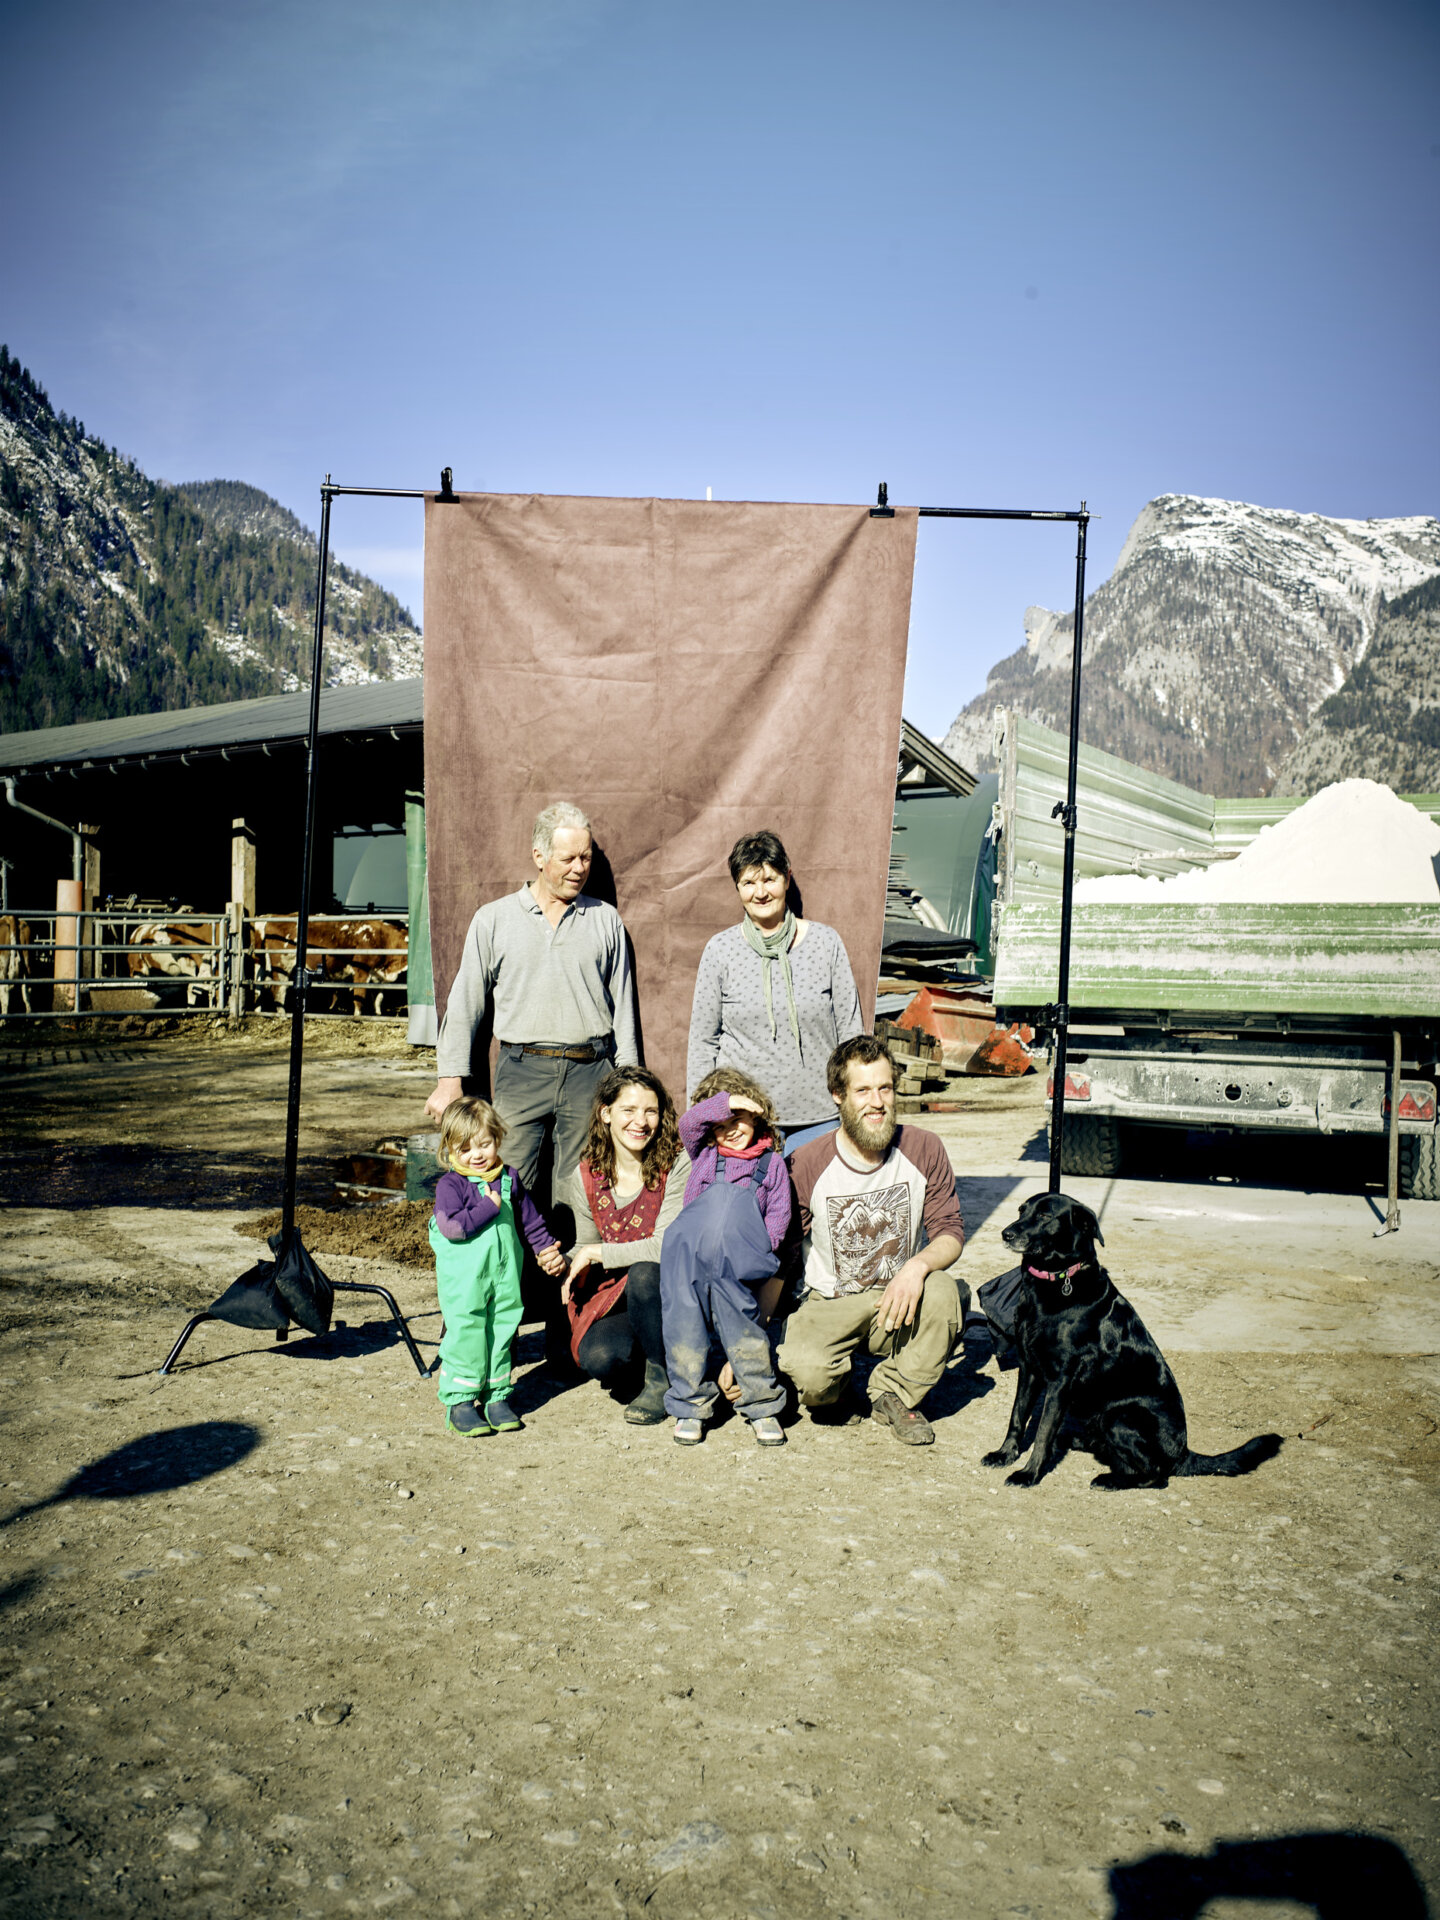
993,254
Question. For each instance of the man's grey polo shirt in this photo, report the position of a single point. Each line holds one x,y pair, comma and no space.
568,984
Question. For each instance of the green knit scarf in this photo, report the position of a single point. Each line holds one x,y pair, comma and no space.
772,947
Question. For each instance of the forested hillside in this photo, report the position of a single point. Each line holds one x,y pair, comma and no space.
1384,723
121,595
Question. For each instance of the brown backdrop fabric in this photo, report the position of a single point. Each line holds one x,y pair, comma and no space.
685,671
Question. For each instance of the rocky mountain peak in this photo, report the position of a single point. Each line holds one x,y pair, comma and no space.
1220,632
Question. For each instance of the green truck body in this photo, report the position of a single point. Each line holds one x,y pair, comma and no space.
1206,1015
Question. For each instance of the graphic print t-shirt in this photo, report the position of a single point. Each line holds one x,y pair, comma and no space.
862,1226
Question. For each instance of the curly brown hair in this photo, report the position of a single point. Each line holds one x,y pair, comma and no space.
664,1148
731,1080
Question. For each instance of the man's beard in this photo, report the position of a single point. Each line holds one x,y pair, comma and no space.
873,1139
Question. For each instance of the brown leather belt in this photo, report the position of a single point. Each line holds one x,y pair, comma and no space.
586,1055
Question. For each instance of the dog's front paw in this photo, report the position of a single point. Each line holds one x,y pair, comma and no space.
1022,1477
1001,1457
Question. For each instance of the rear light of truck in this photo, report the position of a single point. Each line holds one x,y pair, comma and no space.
1077,1087
1416,1103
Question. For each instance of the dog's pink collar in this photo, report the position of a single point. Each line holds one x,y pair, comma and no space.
1066,1273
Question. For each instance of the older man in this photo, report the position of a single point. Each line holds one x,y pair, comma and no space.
554,965
881,1224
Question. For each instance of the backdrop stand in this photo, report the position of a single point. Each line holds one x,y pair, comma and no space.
291,1243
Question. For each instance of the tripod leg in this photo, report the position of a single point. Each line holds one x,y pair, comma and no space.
175,1351
366,1286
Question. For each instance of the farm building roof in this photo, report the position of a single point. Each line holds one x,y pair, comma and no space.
376,707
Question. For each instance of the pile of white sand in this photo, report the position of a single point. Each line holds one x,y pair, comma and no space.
1356,841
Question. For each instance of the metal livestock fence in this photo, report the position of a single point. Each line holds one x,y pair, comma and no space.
109,963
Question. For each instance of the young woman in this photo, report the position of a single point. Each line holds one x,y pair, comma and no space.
625,1192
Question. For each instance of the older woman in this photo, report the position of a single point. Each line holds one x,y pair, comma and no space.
774,995
628,1187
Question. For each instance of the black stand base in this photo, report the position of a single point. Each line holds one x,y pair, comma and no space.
340,1286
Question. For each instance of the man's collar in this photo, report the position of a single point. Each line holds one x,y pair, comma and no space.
579,903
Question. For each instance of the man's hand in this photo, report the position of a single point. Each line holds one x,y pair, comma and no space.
551,1261
445,1092
901,1299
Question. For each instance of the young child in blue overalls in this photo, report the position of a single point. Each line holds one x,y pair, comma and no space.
481,1209
719,1258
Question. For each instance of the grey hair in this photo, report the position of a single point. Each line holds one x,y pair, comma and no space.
562,814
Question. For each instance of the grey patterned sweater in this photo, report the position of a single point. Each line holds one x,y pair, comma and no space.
728,1027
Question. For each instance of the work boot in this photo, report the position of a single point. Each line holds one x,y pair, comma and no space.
647,1409
466,1419
908,1424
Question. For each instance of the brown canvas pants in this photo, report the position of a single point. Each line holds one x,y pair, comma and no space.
821,1335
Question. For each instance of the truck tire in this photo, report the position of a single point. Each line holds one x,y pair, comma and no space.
1420,1166
1090,1144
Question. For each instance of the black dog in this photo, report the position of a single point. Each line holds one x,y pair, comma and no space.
1085,1351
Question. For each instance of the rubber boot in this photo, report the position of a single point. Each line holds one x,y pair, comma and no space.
647,1409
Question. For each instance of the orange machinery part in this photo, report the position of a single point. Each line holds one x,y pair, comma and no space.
963,1021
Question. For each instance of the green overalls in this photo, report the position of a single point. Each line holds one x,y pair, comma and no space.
478,1281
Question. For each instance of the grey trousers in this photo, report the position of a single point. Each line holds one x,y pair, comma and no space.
532,1094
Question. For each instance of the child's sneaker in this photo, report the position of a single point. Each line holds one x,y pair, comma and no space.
466,1419
768,1431
689,1433
502,1416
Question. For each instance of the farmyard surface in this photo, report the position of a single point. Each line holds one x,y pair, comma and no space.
250,1669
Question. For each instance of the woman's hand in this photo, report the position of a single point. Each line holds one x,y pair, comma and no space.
584,1257
551,1261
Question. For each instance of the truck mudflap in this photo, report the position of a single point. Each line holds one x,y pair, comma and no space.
1280,1097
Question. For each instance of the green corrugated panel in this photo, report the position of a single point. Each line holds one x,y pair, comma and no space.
1221,957
1122,811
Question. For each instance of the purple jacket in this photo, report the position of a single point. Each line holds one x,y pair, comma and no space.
773,1192
463,1209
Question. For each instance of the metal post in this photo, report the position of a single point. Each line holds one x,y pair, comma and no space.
302,924
1392,1180
1065,810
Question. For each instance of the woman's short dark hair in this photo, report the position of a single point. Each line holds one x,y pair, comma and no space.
763,849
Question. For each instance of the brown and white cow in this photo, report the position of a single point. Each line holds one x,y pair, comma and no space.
384,951
14,962
178,950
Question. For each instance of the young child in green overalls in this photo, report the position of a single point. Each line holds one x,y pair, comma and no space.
481,1209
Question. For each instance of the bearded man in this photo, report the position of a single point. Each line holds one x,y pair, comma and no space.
881,1222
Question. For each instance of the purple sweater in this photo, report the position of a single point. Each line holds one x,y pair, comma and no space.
773,1192
463,1209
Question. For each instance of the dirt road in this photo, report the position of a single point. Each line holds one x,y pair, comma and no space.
276,1644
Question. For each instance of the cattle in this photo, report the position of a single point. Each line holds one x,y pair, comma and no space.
15,974
178,950
369,953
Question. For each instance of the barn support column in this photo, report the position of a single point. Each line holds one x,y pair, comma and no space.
241,910
69,900
90,967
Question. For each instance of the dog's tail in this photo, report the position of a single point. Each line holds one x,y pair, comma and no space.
1244,1459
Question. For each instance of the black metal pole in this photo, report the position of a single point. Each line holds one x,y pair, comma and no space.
1065,810
302,925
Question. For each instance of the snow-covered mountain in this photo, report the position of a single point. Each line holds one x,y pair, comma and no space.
119,594
1221,631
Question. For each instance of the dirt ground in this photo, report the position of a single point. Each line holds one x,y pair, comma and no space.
275,1643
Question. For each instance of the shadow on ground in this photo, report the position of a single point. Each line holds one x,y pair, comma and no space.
55,1173
1340,1876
